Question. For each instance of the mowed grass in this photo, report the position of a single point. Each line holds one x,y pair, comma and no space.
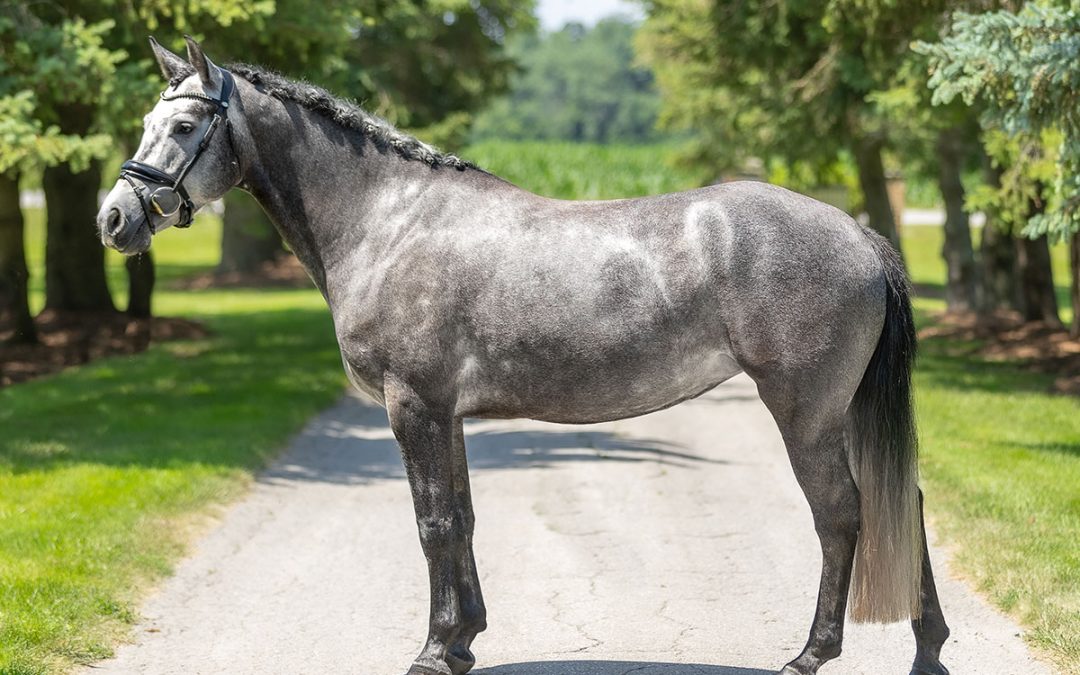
106,469
1001,471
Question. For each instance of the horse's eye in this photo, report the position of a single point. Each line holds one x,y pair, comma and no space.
184,128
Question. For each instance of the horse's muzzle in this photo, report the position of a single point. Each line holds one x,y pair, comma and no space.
128,234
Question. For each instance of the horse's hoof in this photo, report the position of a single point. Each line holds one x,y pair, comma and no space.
929,669
460,660
422,669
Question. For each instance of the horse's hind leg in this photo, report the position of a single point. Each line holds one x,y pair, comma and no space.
930,629
810,409
473,614
821,468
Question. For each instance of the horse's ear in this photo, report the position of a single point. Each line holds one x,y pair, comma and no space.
203,65
171,65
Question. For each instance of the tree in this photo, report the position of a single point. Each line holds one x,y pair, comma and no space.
1021,68
28,65
786,80
70,66
576,84
418,62
1019,174
940,144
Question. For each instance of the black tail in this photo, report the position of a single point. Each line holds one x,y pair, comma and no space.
883,448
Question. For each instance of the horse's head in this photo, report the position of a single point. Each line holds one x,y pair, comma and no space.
185,160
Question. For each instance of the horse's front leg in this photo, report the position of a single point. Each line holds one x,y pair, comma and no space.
425,432
471,600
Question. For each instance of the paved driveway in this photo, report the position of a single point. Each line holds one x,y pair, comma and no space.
676,543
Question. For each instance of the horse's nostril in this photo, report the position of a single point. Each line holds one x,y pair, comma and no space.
115,221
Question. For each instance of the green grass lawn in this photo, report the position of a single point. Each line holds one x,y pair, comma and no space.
104,469
1001,471
107,470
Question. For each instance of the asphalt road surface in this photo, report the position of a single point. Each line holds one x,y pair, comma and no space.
676,543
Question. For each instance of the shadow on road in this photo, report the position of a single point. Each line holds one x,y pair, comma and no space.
355,446
616,668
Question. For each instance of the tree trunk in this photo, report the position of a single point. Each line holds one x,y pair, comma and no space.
960,282
874,188
1074,290
140,269
1000,275
74,257
14,275
248,239
1038,300
1000,279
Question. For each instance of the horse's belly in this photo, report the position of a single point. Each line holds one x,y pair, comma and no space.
592,392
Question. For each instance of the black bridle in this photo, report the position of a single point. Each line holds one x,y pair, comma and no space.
171,197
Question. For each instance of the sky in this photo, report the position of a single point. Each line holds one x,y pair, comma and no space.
555,13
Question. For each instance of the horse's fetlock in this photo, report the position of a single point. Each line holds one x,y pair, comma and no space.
445,625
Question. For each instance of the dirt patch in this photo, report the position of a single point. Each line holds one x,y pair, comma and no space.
1004,336
73,338
285,272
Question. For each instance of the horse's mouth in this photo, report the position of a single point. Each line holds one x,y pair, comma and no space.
133,240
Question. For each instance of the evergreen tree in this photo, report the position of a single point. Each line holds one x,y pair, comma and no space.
1020,68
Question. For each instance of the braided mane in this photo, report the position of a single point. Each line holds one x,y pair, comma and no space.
348,115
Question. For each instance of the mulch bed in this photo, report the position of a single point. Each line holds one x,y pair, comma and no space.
1005,336
73,338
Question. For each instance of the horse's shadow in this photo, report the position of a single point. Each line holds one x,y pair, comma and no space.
353,444
616,668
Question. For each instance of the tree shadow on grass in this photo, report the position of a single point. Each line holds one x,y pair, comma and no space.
616,668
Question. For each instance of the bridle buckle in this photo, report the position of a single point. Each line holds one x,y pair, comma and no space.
156,203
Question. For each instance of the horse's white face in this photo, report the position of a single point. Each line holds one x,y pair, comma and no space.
172,133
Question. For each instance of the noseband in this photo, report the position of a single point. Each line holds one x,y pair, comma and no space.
171,197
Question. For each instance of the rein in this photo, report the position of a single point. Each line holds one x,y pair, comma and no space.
172,197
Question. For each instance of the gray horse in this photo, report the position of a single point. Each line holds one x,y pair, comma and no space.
456,294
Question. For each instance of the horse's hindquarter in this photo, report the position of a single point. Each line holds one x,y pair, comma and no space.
580,312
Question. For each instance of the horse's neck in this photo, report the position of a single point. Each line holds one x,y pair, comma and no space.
325,188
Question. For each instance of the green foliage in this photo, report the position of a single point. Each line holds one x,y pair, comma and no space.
25,144
584,170
1021,68
43,66
782,81
576,84
1027,169
416,62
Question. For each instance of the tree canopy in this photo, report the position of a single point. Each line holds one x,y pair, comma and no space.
1020,68
576,84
